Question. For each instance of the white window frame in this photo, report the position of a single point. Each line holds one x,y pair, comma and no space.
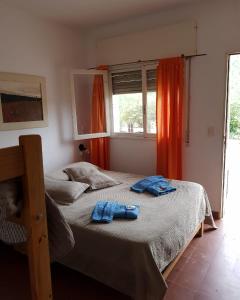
78,136
139,66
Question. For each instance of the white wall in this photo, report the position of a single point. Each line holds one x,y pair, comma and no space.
34,46
218,33
178,38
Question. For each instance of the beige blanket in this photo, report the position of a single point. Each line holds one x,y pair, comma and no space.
130,255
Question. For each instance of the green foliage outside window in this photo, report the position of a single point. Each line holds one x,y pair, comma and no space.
130,108
235,120
234,97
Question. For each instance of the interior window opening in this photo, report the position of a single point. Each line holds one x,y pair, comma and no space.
134,101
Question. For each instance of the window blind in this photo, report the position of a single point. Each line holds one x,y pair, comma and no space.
151,80
127,82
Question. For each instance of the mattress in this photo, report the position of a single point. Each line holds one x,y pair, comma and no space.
129,255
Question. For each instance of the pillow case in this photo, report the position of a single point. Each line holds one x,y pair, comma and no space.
58,175
10,195
61,175
64,192
83,165
88,173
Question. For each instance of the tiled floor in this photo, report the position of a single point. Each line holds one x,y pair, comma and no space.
210,267
208,270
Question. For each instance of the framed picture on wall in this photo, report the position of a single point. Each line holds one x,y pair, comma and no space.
23,102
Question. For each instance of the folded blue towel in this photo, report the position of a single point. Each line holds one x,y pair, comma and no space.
141,185
105,211
156,185
159,190
126,211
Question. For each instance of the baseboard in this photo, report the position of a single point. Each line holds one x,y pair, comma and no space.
216,215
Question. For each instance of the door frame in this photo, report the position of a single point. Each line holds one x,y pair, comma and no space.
225,131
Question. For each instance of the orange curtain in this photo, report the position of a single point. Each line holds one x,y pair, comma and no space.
99,147
170,93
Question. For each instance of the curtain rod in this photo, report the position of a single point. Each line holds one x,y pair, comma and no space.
151,60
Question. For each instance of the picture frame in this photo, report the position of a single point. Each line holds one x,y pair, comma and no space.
23,101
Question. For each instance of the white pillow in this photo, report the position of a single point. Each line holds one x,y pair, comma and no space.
64,192
57,175
88,173
61,175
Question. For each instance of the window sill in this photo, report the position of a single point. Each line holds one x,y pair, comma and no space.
133,136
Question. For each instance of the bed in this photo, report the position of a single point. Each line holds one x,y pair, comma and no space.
134,257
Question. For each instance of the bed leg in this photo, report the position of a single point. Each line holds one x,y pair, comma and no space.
201,230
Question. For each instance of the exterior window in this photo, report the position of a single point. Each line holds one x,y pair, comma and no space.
134,102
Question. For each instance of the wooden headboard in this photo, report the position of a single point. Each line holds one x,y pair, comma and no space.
25,161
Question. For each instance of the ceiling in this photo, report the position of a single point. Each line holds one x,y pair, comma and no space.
90,13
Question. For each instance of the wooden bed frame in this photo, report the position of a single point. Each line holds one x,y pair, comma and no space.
25,161
198,232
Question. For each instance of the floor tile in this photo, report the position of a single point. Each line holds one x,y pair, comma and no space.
192,274
178,292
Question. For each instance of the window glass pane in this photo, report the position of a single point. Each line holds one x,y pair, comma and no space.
128,113
151,101
151,112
